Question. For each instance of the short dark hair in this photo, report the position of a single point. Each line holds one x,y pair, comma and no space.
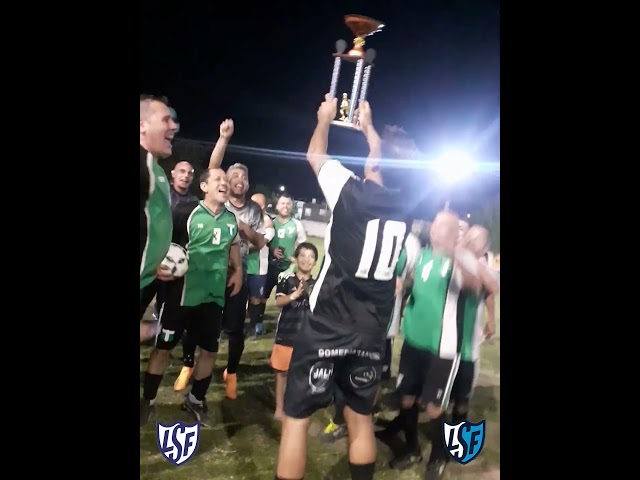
154,98
306,246
285,195
204,176
397,144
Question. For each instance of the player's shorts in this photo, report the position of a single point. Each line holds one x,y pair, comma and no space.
465,382
202,322
425,375
146,296
325,363
388,358
272,279
235,311
255,285
281,357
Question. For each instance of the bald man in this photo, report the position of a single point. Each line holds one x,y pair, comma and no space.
181,180
471,313
257,268
463,228
432,339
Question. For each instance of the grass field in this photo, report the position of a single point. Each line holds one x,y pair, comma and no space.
244,443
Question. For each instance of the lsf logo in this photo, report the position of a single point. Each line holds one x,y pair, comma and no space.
464,440
178,442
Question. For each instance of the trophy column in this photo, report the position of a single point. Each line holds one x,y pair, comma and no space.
361,27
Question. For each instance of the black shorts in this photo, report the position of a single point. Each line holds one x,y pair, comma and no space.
255,286
154,289
388,358
326,364
202,322
465,382
146,296
272,279
235,311
425,375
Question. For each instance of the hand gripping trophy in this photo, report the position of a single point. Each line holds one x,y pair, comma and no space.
361,27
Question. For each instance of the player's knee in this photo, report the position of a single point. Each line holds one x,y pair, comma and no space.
255,300
407,401
434,411
356,422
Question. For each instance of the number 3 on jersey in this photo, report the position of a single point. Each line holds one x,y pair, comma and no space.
216,236
392,236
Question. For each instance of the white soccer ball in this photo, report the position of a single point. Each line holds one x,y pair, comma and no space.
177,260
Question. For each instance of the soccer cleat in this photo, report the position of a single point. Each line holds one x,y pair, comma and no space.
146,411
183,379
200,412
435,470
333,431
231,384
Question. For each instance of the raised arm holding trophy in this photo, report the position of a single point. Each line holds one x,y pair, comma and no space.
361,27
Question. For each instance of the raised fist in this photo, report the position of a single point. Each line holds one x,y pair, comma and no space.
226,129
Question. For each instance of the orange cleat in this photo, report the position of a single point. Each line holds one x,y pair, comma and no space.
231,384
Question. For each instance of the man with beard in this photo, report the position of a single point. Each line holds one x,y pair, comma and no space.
250,221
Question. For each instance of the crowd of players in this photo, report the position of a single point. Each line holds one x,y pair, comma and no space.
334,335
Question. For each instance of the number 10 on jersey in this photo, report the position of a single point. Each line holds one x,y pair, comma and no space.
393,234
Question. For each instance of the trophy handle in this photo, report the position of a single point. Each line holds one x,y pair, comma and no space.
341,46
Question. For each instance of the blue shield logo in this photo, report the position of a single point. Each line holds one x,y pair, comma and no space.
464,441
178,442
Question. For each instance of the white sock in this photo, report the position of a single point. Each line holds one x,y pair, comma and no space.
193,399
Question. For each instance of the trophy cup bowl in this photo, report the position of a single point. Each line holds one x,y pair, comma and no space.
361,27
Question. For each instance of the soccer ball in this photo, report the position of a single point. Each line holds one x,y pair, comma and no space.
177,260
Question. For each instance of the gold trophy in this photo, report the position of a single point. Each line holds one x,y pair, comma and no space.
361,27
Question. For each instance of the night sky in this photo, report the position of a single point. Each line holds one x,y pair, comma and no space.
437,74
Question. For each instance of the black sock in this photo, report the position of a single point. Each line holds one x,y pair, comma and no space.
200,387
362,472
434,433
397,424
411,427
151,385
338,418
188,351
236,347
262,306
254,316
457,416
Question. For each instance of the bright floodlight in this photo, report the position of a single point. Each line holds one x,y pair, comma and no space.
282,188
468,215
454,166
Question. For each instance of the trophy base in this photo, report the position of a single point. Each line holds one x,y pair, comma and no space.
347,124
